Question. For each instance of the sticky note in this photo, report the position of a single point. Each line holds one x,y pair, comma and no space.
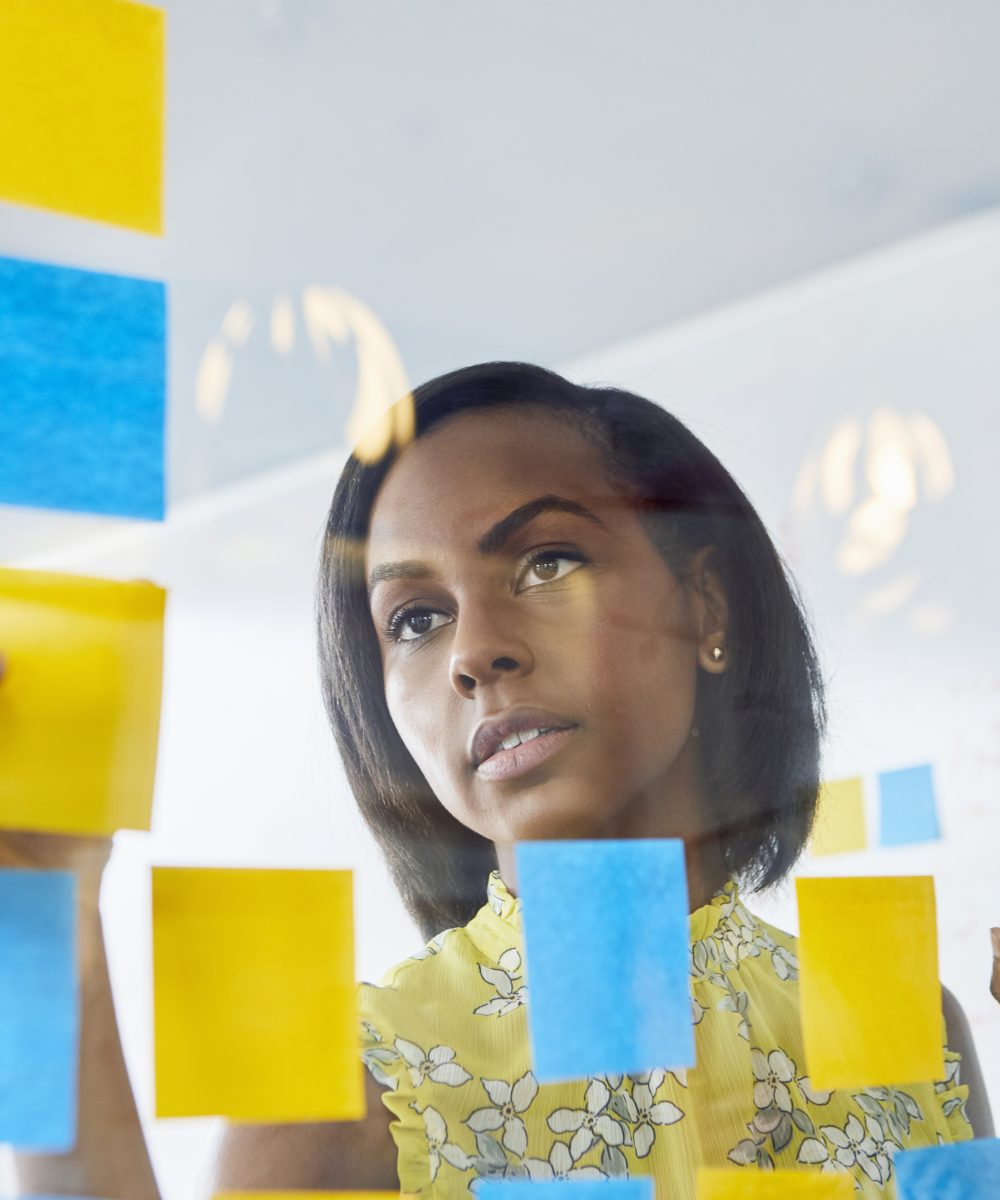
737,1184
254,995
39,1010
607,956
565,1189
81,109
79,702
82,388
908,809
840,820
960,1171
869,987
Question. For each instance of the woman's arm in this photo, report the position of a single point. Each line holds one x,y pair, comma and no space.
960,1040
356,1155
110,1157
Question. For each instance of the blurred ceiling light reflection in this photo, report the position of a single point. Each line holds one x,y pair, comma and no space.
282,325
237,324
382,416
837,466
215,371
897,450
892,596
383,408
931,618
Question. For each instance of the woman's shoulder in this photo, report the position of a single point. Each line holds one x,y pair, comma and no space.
457,964
426,1008
410,974
425,981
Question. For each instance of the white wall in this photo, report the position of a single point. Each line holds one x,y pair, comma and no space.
247,771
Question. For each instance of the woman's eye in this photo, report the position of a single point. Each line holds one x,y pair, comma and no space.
408,626
549,566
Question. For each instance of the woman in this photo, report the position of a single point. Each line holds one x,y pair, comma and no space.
572,564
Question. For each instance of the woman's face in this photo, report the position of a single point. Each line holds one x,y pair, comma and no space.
540,660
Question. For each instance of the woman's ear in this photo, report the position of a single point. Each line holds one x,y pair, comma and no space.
711,611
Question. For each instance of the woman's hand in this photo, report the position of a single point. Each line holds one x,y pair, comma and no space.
85,856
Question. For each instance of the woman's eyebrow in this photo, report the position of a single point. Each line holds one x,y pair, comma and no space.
492,541
497,536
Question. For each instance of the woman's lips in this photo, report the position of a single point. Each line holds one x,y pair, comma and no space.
507,764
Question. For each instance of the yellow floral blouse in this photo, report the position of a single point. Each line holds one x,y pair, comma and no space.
446,1034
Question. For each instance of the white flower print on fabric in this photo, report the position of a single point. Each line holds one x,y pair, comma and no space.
497,896
951,1079
560,1165
590,1124
437,1064
438,1146
885,1148
738,936
852,1146
375,1059
509,1102
503,977
813,1095
785,964
376,1056
892,1108
492,1161
738,1002
738,942
777,1116
772,1075
644,1115
434,946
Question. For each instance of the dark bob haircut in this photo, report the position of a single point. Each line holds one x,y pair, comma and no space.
761,720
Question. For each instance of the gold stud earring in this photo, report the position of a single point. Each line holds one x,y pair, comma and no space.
718,654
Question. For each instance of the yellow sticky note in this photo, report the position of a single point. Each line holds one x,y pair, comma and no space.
743,1184
79,702
869,986
255,1013
81,109
840,820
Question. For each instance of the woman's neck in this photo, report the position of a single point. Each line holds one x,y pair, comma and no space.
706,870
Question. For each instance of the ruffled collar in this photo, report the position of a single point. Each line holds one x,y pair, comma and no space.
706,921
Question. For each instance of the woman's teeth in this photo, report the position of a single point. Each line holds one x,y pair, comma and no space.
525,735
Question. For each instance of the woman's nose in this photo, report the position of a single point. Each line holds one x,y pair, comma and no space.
485,651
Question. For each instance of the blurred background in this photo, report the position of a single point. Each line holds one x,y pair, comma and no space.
781,223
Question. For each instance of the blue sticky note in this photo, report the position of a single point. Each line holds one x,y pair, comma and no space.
961,1171
39,1021
908,809
82,390
564,1189
607,931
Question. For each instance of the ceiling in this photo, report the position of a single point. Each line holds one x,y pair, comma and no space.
518,181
